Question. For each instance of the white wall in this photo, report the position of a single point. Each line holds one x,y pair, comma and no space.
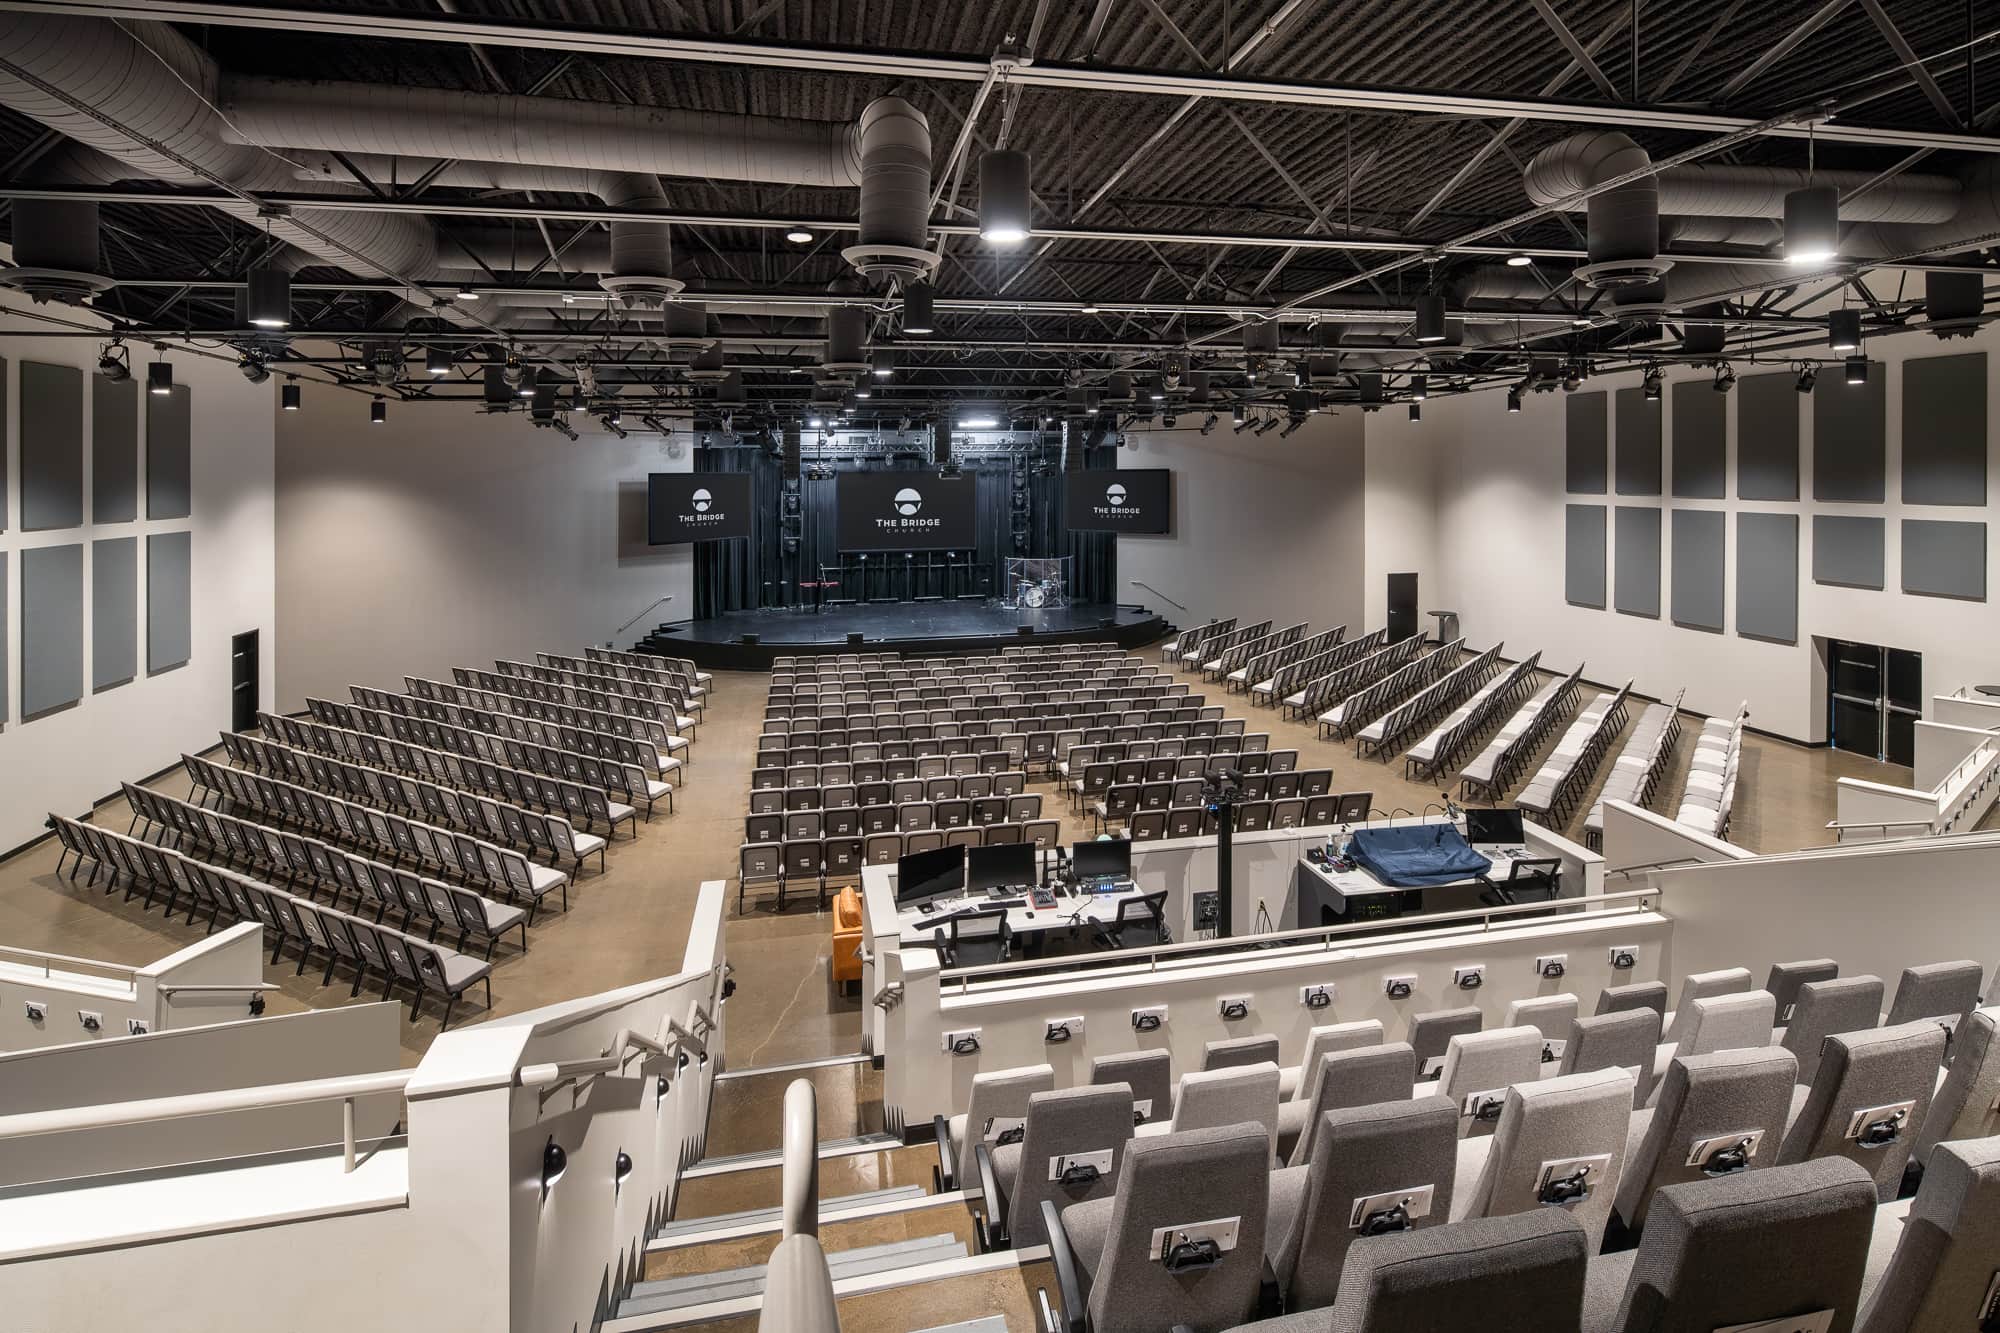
66,760
1399,510
447,537
1499,480
1263,527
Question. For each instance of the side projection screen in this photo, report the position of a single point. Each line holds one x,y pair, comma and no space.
696,506
1119,500
905,511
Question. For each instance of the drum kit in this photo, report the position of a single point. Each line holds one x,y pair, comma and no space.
1038,593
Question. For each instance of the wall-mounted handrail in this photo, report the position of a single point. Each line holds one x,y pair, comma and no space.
801,1159
45,959
1140,583
642,613
231,989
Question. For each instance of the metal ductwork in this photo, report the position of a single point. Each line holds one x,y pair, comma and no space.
642,253
55,251
1623,239
1738,192
846,341
895,154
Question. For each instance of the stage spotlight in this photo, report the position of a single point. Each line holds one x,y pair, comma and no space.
1652,383
253,368
1236,415
1168,420
1808,374
114,362
1416,411
1208,423
1725,377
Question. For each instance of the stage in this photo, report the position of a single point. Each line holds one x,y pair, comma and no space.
718,643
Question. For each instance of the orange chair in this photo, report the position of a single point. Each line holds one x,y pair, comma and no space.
847,937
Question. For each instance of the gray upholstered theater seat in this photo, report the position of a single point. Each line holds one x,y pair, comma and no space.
1431,1034
1875,1071
1850,1004
1358,1077
1935,990
1784,980
1214,1097
1733,1094
1067,1124
1623,1039
1762,1245
1236,1052
1550,1015
1488,1063
1396,1147
999,1100
1638,995
1730,1022
1150,1075
1701,985
1519,1274
1204,1181
1963,1107
1942,1268
1293,1079
1560,1144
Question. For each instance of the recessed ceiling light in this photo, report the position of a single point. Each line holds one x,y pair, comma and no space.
1519,260
466,294
798,236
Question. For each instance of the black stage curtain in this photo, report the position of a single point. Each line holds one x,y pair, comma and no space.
765,569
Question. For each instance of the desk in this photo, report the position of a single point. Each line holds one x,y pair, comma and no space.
915,926
1357,894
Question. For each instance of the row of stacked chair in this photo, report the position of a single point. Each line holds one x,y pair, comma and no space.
1637,771
545,835
1356,664
430,698
1555,790
1710,794
311,929
1436,752
1185,649
1351,713
682,666
687,705
1389,731
1265,677
1494,768
1234,667
533,698
1212,661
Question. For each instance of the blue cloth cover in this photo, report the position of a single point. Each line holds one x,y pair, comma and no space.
1416,855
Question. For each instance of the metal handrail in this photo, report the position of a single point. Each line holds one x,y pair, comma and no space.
1151,955
221,990
47,958
1840,828
1141,583
642,613
800,1172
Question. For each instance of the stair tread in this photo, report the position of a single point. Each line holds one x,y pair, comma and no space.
992,1323
774,1156
690,1225
658,1295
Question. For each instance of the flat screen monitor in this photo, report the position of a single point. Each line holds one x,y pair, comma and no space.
1102,860
1119,500
1007,865
1494,828
696,506
922,876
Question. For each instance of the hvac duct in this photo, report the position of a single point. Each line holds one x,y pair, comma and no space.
55,251
642,253
1623,240
895,152
1565,167
846,341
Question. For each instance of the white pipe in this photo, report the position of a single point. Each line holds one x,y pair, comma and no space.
111,1115
801,1159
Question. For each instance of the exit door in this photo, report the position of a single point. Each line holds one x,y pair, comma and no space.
1874,697
243,681
1402,606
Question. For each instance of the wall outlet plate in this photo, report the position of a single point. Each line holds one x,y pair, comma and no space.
1399,988
1058,1030
1552,965
1234,1008
1149,1019
1317,997
953,1039
91,1020
1469,976
1416,1203
136,1027
38,1010
1623,957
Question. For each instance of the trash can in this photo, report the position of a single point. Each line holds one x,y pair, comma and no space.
1447,625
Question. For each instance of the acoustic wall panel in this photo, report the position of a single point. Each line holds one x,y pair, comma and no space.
1585,443
1638,563
1943,559
114,450
5,693
169,558
167,443
1701,443
51,446
51,626
1767,436
114,611
5,511
1944,430
1847,550
1767,576
1638,444
1850,440
1583,555
1697,566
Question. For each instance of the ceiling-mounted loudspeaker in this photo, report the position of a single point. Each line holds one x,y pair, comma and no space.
791,450
1703,339
706,365
917,316
1199,386
494,388
1322,369
1370,386
846,341
1953,303
1118,389
1430,322
940,442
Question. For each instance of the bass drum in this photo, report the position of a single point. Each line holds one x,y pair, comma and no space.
1034,596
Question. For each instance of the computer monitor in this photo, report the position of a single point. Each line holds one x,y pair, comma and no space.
922,876
1007,865
1495,828
1101,860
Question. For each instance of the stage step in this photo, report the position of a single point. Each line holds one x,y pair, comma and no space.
660,1295
668,1232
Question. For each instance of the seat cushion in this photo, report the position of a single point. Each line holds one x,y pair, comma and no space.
462,969
545,879
1889,1221
587,844
1088,1225
1604,1290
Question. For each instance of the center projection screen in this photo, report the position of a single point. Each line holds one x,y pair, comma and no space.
696,506
905,511
1119,500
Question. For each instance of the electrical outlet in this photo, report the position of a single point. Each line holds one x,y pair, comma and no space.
1399,988
136,1027
1552,966
1624,957
1469,976
91,1021
38,1010
1150,1019
1058,1030
965,1041
1316,997
1234,1008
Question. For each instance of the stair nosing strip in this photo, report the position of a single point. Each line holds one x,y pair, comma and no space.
765,1158
741,1230
886,1195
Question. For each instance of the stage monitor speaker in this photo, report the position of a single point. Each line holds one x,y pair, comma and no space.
940,442
792,451
854,641
747,640
1024,630
1105,622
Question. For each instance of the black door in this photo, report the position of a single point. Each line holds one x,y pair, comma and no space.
1874,697
1402,606
243,681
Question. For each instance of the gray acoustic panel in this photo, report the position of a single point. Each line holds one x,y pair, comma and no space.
1944,430
51,627
1636,570
1767,576
1583,554
51,447
114,450
1942,559
5,510
1586,438
1699,537
169,560
1701,441
167,441
1850,440
5,693
1847,550
1767,436
1638,444
114,611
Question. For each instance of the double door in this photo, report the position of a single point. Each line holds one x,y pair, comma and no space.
1875,695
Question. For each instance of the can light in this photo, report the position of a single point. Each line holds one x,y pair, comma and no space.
288,397
160,377
798,236
378,412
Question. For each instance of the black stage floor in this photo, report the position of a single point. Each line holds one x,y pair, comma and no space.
902,627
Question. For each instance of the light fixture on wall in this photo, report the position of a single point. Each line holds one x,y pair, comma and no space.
1857,370
1430,318
160,377
378,412
437,361
1004,204
288,397
555,1161
917,317
1843,330
267,298
621,1168
1808,374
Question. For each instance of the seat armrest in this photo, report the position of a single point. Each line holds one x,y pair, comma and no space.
945,1175
995,1230
1069,1283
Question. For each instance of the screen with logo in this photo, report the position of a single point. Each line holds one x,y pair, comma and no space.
905,511
1124,500
696,506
